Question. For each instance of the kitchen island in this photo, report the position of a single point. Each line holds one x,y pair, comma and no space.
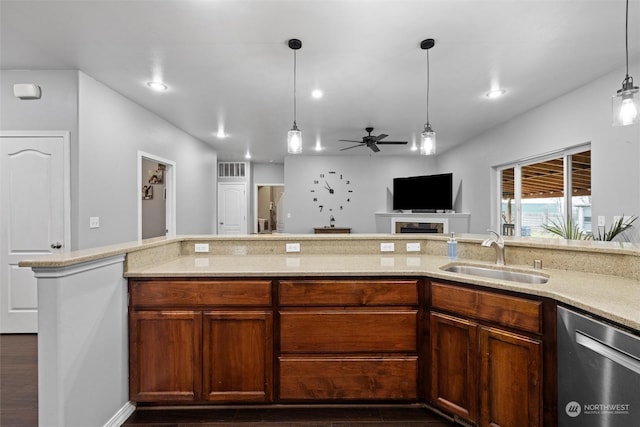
84,308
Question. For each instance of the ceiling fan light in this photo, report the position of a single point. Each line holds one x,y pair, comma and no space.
428,141
294,140
625,105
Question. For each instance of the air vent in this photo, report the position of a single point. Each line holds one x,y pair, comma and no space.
231,169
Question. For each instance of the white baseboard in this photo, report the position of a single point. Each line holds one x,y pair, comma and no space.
121,416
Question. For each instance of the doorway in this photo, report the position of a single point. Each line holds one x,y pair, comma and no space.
268,208
35,214
232,208
156,199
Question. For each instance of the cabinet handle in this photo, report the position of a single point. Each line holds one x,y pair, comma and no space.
56,245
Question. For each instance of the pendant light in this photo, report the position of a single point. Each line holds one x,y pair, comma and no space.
294,137
428,136
625,103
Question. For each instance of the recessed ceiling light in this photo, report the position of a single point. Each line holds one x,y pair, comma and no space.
495,93
220,134
317,94
248,155
159,86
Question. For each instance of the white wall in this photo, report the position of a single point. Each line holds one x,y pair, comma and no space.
581,116
112,129
267,173
57,109
371,179
107,130
83,357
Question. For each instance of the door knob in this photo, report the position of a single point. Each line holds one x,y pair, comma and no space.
56,245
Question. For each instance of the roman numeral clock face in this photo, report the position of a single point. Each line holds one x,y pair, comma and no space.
331,192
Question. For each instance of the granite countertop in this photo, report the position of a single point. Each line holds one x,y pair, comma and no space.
598,277
611,297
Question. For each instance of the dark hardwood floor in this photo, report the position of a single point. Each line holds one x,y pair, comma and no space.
19,403
18,380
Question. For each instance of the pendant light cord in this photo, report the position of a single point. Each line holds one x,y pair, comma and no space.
626,41
294,87
428,86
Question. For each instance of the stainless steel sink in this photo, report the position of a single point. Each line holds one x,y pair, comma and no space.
495,273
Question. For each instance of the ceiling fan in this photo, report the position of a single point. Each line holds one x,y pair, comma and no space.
371,141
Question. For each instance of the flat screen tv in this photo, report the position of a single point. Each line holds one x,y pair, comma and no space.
427,193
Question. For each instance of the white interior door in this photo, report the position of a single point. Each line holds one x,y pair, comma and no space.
33,220
232,208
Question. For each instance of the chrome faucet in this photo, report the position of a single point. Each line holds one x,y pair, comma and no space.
497,242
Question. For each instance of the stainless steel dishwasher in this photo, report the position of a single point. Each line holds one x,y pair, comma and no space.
598,373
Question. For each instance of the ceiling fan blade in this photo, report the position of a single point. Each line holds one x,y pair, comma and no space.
353,146
350,140
381,136
393,142
374,147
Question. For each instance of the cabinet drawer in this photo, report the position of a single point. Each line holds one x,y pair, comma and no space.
345,331
185,293
348,378
348,292
505,310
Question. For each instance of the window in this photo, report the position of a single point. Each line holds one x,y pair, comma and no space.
540,191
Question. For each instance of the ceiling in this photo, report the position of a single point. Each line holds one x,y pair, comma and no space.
227,63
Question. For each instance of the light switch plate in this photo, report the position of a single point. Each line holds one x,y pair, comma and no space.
293,247
601,221
94,222
202,247
413,247
387,247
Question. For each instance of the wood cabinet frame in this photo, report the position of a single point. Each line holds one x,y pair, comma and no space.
268,312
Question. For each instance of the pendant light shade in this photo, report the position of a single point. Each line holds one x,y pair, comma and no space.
625,103
294,140
428,136
294,136
427,141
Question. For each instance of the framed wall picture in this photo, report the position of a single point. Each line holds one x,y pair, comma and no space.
156,176
147,192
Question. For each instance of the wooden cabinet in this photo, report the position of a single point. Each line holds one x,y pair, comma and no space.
200,341
237,356
348,340
481,370
477,354
165,356
510,379
454,365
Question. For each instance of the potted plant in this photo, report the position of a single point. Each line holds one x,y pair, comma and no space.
568,229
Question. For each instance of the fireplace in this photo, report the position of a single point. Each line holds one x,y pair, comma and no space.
419,225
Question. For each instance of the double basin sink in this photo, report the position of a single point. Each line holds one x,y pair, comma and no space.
499,273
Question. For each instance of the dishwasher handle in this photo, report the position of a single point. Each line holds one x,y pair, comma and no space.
611,353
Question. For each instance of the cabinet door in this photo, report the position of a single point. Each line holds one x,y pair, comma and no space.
165,356
454,365
237,353
510,379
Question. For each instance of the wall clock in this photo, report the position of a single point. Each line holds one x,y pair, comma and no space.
331,192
